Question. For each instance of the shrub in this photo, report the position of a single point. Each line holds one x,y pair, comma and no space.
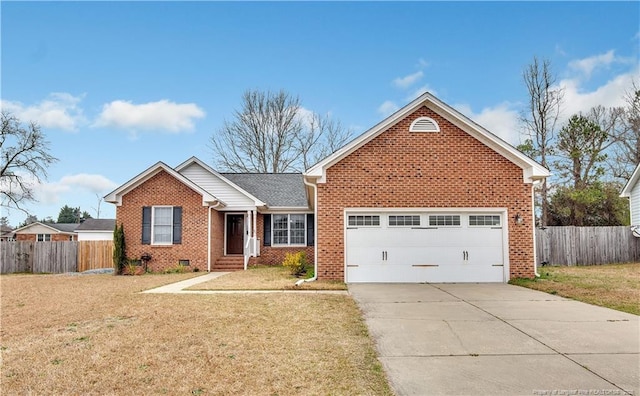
119,250
296,263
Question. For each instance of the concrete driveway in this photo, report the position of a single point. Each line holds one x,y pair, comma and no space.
481,339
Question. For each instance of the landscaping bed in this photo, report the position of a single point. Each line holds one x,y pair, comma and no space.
615,286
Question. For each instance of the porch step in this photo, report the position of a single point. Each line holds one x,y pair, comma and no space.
229,263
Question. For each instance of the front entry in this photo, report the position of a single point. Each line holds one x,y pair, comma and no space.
235,233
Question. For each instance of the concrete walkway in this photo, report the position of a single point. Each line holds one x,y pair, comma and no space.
498,339
178,288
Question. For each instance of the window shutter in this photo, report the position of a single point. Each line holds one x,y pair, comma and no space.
310,229
177,225
146,225
267,230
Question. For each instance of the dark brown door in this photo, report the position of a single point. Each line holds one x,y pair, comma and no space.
235,233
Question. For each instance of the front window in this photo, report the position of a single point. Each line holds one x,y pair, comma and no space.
289,229
44,237
162,221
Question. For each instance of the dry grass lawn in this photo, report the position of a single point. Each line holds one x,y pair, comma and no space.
265,278
72,335
614,286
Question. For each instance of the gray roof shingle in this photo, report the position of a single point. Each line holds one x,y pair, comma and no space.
97,225
64,227
275,189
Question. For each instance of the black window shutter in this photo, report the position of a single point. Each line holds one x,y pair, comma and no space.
267,230
177,225
310,229
146,225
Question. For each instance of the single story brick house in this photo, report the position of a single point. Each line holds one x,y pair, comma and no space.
47,232
426,195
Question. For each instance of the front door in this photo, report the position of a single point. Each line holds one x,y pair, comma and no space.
235,233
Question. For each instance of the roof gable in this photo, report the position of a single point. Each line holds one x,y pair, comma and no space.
115,196
47,228
532,171
633,180
218,184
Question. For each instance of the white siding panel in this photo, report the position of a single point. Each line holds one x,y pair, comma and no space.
634,203
95,236
216,186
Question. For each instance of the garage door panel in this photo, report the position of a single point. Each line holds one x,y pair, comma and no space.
458,253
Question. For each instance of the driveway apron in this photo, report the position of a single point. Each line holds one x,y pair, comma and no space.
470,339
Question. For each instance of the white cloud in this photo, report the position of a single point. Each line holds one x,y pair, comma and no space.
610,94
60,110
587,65
49,193
501,120
423,63
387,108
409,80
160,115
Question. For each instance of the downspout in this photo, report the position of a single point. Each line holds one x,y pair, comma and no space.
535,248
209,239
315,233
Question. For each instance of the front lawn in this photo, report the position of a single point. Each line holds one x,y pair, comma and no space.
265,278
96,334
615,286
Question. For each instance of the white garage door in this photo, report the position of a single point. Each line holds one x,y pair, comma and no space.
425,247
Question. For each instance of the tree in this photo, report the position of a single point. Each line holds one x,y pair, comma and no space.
30,219
273,133
627,141
72,215
540,119
69,215
119,249
598,204
25,157
581,148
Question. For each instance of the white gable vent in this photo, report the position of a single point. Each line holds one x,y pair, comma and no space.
424,124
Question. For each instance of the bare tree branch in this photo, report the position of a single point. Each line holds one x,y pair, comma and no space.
24,155
272,134
541,118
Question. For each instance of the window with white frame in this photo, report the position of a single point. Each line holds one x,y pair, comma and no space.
44,238
289,229
363,221
444,220
484,220
404,220
162,225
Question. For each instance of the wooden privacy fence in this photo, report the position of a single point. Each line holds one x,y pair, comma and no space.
94,255
55,257
586,245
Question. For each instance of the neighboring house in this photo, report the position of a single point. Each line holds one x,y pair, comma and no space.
45,232
96,230
6,233
426,195
632,191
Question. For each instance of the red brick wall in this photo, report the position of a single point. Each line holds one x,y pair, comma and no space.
164,189
54,237
429,170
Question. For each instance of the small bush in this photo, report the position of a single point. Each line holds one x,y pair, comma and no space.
178,269
296,263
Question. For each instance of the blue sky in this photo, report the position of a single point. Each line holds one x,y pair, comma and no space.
118,86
